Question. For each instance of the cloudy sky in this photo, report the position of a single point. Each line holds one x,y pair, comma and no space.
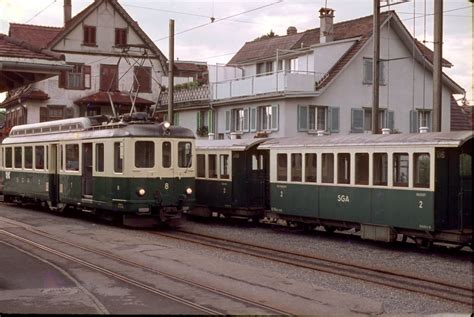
238,21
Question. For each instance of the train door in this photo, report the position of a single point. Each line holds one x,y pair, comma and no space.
258,179
87,170
55,159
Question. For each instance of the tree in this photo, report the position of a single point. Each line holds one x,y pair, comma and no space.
269,35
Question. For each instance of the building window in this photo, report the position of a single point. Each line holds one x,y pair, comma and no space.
343,168
212,158
368,71
144,154
201,165
422,170
89,35
368,119
184,154
327,168
166,154
99,157
362,169
28,157
118,157
142,79
264,69
108,77
318,118
51,113
75,78
424,119
380,169
120,37
72,157
239,118
282,167
265,118
310,167
224,166
293,65
400,169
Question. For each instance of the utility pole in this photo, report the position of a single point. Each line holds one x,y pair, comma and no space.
171,72
375,68
437,64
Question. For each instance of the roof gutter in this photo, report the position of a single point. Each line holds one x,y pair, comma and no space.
34,68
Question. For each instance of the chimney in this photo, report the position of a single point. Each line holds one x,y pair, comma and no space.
67,11
326,32
291,30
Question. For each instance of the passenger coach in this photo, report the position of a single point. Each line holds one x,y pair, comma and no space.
135,169
417,185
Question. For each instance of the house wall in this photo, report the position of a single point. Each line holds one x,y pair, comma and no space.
327,54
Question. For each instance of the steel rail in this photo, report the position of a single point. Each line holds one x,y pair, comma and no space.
355,271
155,271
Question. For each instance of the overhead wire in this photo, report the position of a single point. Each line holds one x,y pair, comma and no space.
41,11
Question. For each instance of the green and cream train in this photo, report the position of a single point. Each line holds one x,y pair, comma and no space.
132,169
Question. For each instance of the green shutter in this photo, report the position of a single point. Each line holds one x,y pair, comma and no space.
246,120
333,119
357,120
198,120
302,118
391,120
253,119
227,121
413,121
275,117
210,120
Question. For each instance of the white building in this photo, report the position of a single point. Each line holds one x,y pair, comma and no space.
113,59
319,80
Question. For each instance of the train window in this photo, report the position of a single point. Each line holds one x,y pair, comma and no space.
201,165
257,162
166,154
28,157
327,168
185,154
310,168
400,169
421,175
99,157
118,157
18,157
362,168
282,167
380,169
343,168
224,166
145,154
72,157
8,157
465,165
296,167
39,157
212,158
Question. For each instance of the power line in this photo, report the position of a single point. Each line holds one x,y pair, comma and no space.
41,11
168,11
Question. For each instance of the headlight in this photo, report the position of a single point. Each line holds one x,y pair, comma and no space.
141,192
189,190
166,124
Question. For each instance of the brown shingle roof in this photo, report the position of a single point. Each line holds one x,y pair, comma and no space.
10,47
36,35
461,116
23,94
102,97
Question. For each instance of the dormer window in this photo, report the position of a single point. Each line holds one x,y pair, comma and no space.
89,35
120,37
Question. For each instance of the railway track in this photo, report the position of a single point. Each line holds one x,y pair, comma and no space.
136,283
417,284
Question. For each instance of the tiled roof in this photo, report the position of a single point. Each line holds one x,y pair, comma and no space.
10,47
22,94
118,98
461,116
190,66
37,35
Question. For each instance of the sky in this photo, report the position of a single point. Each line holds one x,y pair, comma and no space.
237,22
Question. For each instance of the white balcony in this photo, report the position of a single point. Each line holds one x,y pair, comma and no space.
282,81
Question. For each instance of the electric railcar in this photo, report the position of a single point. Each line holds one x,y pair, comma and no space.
134,170
416,185
231,179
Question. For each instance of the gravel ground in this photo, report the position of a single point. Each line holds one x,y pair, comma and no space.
449,266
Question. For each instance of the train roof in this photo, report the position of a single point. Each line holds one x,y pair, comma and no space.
233,145
449,139
91,128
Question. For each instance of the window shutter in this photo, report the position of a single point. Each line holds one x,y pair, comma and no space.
176,118
253,119
357,120
413,121
302,118
198,120
334,119
429,120
275,117
87,77
227,121
368,71
391,120
62,79
43,114
210,120
246,119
